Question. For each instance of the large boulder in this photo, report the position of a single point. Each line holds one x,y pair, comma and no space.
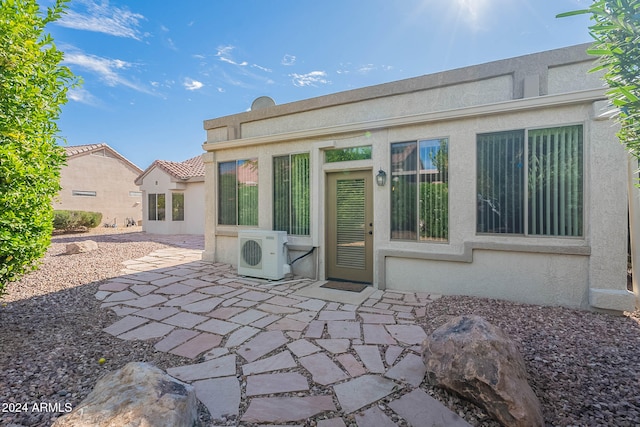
139,395
81,247
476,360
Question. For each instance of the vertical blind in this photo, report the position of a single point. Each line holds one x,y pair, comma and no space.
238,192
500,182
555,181
552,198
177,206
291,194
350,224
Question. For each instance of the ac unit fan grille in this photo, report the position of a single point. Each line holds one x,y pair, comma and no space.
251,253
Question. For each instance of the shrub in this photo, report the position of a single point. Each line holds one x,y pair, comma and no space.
33,86
75,220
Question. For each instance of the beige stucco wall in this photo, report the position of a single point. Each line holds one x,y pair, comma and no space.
110,178
585,272
157,181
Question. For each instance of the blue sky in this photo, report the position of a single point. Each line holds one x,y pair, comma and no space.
153,71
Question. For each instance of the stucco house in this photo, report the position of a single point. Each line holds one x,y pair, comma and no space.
97,178
173,197
501,180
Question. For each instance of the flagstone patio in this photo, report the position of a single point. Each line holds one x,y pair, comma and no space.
278,352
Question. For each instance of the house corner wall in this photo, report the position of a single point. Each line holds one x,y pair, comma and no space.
210,196
608,209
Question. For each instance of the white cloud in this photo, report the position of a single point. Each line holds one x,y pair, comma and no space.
224,53
190,84
310,79
82,96
366,68
102,18
108,70
288,60
268,70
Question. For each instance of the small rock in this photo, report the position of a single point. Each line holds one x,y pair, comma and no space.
81,247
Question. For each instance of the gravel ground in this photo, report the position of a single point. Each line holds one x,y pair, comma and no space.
583,366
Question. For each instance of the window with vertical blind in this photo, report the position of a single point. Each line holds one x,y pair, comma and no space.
531,182
156,207
177,206
291,194
238,192
420,190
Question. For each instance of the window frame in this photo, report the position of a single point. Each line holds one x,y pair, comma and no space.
525,203
289,157
156,207
173,207
238,204
419,173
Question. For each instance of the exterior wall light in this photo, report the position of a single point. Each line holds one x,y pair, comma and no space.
381,178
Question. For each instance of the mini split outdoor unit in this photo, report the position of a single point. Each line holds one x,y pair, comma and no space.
261,253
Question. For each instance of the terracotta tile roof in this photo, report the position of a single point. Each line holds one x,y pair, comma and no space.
190,168
79,149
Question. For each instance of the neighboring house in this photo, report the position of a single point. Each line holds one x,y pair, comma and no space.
173,197
97,178
501,180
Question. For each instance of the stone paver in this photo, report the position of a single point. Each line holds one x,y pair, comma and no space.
157,313
204,305
322,369
420,409
222,367
239,336
343,329
262,344
147,301
374,417
392,353
197,345
377,334
282,360
303,348
410,370
287,324
408,334
216,326
356,354
125,324
221,396
248,316
286,409
370,356
353,395
174,289
175,338
148,331
335,346
276,383
336,315
185,320
353,367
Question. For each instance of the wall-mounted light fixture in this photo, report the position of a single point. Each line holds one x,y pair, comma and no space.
381,178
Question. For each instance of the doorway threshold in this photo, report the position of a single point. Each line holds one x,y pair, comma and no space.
315,290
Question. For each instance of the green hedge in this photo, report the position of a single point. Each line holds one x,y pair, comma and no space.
74,220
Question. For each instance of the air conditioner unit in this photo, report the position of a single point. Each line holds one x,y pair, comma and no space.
261,253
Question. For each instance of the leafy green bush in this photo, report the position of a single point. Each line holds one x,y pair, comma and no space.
33,86
75,220
616,33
